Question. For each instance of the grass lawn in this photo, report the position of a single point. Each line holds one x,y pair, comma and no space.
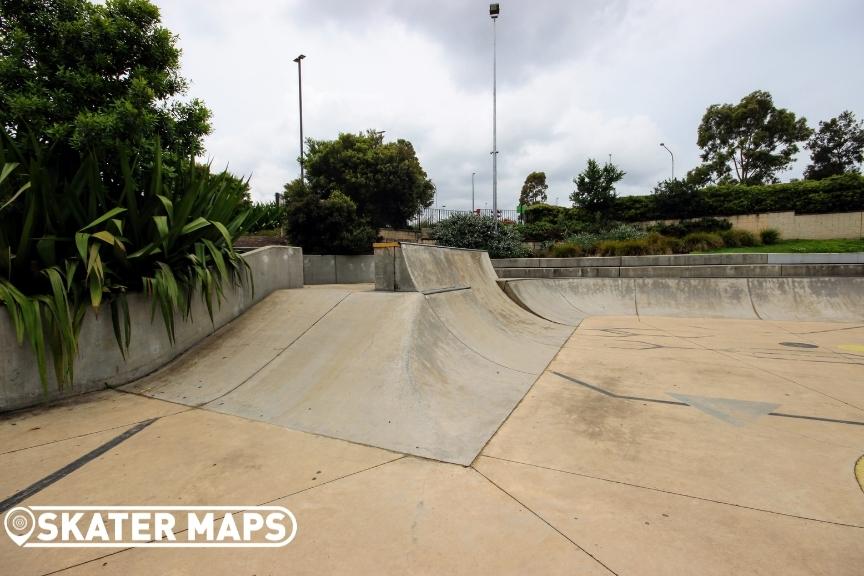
802,246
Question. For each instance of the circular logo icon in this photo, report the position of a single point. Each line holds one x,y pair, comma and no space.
19,524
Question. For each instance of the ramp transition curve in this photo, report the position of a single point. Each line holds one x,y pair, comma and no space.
814,299
432,373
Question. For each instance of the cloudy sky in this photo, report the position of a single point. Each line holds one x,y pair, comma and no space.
576,80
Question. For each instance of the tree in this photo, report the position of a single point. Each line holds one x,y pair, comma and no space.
676,198
534,189
595,189
748,142
325,225
836,148
82,76
385,181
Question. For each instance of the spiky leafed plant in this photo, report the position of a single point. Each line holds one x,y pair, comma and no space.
70,242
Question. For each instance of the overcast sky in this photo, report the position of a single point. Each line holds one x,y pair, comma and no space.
576,80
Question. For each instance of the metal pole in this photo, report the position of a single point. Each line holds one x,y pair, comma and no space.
494,125
300,92
673,158
472,191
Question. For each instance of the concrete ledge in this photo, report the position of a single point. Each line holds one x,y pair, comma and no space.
517,262
822,270
584,272
330,269
838,258
694,259
100,363
687,266
724,271
593,261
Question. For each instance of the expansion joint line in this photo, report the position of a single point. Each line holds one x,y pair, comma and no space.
539,517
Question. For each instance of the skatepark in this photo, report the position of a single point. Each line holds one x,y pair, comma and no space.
451,418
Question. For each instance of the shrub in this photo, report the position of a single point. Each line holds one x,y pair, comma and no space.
590,240
659,244
843,193
623,248
540,232
566,250
769,236
479,232
702,241
737,237
684,227
66,244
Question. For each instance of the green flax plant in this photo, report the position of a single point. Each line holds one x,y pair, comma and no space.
86,236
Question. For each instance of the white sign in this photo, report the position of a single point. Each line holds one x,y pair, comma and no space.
150,526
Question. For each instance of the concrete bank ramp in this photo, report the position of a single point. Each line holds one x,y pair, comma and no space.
814,299
432,374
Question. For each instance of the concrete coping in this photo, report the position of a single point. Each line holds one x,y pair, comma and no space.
683,260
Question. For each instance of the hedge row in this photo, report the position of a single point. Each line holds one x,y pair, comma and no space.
844,193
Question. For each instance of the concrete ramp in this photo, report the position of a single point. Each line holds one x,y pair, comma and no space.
814,299
432,373
808,299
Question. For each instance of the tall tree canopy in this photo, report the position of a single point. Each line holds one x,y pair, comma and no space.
595,188
83,76
748,142
836,148
385,181
534,189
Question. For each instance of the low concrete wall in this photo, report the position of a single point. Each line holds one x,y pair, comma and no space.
329,269
685,266
798,226
100,363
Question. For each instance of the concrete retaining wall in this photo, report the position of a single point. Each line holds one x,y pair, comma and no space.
100,363
799,226
330,269
685,266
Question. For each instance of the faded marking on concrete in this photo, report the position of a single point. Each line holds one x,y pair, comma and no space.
854,348
735,412
729,410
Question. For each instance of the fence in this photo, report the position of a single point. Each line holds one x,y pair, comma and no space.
434,215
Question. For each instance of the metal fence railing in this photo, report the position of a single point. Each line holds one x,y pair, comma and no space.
435,215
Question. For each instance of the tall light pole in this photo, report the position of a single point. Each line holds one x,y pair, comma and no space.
300,92
472,191
673,158
493,12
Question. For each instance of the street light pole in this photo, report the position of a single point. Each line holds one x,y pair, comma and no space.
673,158
472,191
493,12
300,92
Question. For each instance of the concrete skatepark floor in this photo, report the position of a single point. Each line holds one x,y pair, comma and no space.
648,445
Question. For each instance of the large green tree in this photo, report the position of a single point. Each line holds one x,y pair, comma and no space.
748,142
81,76
328,224
595,189
384,180
836,148
534,189
677,198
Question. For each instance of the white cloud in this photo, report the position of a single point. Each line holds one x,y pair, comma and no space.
576,80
